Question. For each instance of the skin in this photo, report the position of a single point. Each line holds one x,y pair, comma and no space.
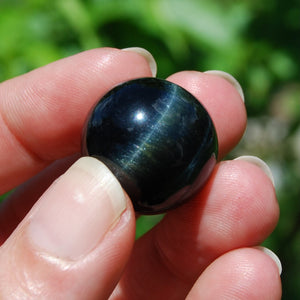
202,250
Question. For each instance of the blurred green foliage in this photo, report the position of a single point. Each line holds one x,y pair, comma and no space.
256,41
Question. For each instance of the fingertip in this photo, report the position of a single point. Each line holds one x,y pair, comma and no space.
257,181
273,256
147,55
88,192
252,198
260,163
80,233
239,274
230,79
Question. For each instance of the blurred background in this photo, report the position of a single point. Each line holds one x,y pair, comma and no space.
256,41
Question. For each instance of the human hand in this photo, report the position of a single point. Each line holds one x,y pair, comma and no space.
79,236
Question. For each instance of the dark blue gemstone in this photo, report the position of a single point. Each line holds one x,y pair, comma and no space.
156,138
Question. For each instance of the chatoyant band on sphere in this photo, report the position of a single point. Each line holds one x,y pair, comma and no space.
158,140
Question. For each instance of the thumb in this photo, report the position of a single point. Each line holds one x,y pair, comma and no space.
75,241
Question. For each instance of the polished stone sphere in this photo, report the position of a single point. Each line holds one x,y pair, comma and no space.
156,138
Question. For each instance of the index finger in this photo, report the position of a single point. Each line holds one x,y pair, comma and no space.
42,112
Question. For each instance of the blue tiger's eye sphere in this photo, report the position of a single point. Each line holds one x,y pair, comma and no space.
156,138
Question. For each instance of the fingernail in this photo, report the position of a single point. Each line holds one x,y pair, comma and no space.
229,78
272,255
147,55
76,212
260,163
